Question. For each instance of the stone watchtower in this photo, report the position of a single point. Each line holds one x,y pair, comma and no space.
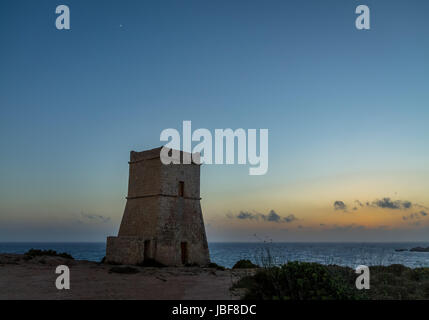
162,219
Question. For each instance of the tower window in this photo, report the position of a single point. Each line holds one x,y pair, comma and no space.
181,189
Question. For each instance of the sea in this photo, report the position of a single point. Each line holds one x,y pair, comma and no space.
227,254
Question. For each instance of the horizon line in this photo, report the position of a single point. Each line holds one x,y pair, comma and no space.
216,242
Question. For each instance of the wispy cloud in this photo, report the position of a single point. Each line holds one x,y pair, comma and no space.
384,203
271,216
415,215
358,203
290,218
244,215
348,227
96,218
387,203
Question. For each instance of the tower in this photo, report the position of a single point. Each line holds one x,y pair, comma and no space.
162,220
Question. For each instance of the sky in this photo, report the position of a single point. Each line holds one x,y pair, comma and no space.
347,112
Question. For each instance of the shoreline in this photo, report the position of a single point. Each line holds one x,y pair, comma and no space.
226,254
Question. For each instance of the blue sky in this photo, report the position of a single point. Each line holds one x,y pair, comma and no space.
347,110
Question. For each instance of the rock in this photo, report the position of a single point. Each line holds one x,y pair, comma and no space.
420,249
124,270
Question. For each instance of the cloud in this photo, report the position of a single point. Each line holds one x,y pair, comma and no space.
348,227
272,216
406,204
94,217
384,203
243,215
340,205
416,215
387,203
360,204
417,205
290,218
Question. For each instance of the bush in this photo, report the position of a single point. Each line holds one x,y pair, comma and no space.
394,269
244,264
38,253
399,283
297,281
216,266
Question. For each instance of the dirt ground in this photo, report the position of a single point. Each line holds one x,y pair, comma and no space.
35,279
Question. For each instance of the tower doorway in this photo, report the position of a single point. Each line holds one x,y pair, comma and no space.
184,252
146,253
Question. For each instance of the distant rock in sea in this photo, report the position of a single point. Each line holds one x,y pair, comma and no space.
401,250
420,249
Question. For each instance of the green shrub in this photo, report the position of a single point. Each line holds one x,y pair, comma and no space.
297,281
215,265
38,253
314,281
419,274
244,264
